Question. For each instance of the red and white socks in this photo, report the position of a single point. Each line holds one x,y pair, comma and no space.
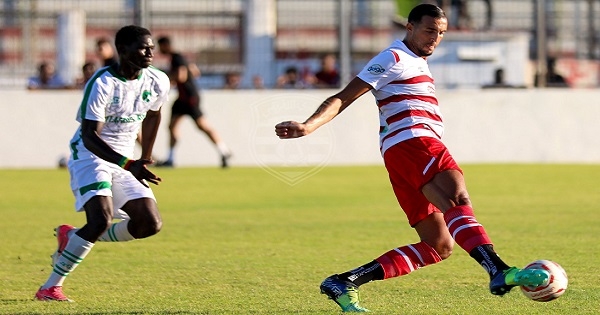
471,236
467,232
406,259
396,262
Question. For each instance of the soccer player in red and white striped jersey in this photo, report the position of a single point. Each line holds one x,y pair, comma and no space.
427,182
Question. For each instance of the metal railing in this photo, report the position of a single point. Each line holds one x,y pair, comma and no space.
211,33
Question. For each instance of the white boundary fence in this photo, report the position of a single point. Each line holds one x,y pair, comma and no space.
491,126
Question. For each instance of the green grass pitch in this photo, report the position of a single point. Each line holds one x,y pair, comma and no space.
240,241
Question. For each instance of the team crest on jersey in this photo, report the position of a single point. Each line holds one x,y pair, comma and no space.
375,69
146,96
115,101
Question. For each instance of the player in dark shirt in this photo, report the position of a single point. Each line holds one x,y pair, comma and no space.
183,74
106,52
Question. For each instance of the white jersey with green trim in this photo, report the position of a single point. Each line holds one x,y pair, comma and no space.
121,105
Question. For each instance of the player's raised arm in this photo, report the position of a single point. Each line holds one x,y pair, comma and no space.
330,108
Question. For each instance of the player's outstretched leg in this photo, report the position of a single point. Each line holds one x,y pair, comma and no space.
504,281
472,237
343,288
344,293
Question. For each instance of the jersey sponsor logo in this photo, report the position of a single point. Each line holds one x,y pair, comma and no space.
375,69
125,120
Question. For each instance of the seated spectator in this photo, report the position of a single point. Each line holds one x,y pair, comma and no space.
87,71
46,78
327,76
290,80
232,80
258,82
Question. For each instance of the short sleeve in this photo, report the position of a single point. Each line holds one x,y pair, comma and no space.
95,101
162,88
382,69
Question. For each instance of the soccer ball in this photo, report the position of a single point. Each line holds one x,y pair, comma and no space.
556,286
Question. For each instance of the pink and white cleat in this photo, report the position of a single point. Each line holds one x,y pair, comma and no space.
51,294
62,237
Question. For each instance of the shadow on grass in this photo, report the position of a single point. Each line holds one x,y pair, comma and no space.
124,313
165,312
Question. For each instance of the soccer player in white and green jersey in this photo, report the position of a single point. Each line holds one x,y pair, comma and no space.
106,181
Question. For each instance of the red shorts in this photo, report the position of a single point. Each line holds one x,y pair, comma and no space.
411,164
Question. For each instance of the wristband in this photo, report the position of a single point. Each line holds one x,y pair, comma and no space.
128,164
125,163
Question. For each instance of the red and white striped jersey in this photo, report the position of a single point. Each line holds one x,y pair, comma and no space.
405,94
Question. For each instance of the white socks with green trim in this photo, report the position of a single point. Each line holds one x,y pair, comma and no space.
117,232
74,253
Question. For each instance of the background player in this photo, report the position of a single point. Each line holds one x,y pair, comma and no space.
428,183
106,52
187,103
106,181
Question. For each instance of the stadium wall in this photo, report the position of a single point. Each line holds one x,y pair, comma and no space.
482,126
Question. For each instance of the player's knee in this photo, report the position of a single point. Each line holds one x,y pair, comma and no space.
444,248
462,199
445,251
155,227
203,128
98,226
146,227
